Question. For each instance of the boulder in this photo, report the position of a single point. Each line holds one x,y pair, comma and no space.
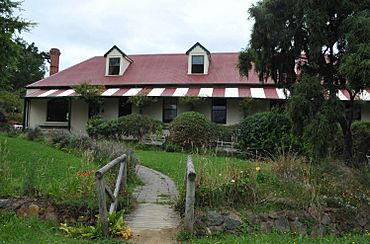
298,227
214,218
33,210
266,226
282,224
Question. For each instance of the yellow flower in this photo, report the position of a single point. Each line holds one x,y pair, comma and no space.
258,168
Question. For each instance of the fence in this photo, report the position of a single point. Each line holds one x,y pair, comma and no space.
190,176
103,189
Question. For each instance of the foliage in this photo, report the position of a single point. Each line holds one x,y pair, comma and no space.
11,24
314,117
14,229
136,125
142,101
30,65
34,134
192,130
265,131
191,101
327,39
227,132
361,141
117,228
91,95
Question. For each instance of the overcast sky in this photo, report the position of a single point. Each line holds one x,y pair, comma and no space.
85,28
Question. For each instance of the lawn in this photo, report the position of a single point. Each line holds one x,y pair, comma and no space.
282,239
174,164
14,229
34,168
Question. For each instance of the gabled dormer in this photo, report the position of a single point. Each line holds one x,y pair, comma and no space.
116,62
199,60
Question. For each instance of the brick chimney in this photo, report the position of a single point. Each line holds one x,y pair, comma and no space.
54,60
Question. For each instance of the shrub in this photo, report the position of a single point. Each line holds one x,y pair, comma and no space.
227,132
34,134
92,125
265,131
134,125
192,130
361,141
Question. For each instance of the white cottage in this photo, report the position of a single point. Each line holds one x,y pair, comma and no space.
52,102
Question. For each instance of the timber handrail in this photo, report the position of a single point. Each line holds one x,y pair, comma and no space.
103,189
190,176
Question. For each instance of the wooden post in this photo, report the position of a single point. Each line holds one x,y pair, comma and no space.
102,205
190,196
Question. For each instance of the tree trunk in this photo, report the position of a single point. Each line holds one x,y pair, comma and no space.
345,122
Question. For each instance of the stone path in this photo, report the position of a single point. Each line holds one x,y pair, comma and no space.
154,220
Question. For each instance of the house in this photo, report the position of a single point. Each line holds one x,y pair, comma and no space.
53,103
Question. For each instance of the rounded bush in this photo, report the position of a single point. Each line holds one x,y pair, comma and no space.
361,141
265,131
135,125
192,130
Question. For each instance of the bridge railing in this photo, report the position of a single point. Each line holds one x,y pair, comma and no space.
190,176
104,190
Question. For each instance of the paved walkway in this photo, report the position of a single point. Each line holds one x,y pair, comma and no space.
154,220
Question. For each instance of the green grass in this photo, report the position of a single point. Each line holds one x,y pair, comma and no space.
174,164
29,168
14,229
282,239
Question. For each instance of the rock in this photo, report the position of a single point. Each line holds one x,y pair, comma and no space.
266,226
232,220
4,203
251,218
232,224
273,215
33,210
325,219
214,218
361,220
50,213
282,224
214,230
22,212
298,227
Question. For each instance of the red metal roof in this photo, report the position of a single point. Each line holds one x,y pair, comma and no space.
157,69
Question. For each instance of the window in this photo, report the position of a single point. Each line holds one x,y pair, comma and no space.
169,109
219,111
57,110
114,66
125,107
197,64
94,109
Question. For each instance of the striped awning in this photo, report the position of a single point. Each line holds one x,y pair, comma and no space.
216,92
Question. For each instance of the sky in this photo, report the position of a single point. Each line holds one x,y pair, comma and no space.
82,29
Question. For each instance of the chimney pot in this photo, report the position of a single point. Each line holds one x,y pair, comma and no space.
54,60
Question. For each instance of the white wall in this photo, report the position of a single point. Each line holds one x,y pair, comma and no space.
110,108
365,111
79,116
234,111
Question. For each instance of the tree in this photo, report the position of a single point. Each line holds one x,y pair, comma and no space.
10,26
321,33
30,65
91,95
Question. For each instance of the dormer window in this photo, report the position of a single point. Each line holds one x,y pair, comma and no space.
116,62
114,66
197,64
199,60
